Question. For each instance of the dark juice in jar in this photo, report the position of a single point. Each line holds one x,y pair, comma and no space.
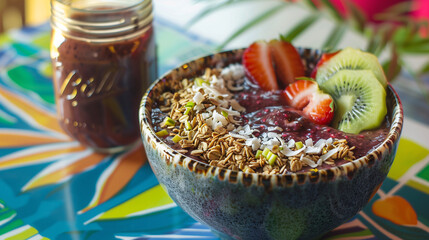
99,83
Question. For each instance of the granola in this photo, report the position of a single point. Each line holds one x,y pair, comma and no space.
205,121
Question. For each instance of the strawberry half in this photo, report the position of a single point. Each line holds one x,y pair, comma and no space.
287,62
306,96
324,58
258,66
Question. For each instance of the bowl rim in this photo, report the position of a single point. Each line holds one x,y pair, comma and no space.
346,169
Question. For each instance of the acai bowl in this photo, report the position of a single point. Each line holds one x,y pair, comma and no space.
266,197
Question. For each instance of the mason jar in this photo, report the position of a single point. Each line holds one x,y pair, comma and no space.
103,56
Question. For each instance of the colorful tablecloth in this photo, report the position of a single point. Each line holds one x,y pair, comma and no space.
53,188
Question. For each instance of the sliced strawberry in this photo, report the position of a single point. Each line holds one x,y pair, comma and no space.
321,108
324,58
287,62
306,96
299,93
258,66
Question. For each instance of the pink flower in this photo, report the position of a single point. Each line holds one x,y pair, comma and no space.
370,8
421,13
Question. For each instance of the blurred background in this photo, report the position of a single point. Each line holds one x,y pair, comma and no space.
394,30
17,13
365,24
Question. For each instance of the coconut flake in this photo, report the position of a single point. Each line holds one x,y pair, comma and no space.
199,107
198,98
210,122
277,128
226,74
230,86
231,119
308,161
282,143
211,108
309,142
272,142
247,129
329,154
273,135
236,106
219,118
230,111
289,153
206,115
214,92
314,150
238,73
216,125
255,143
238,135
233,72
319,162
321,142
291,143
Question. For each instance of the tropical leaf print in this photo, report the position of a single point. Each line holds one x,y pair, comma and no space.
12,228
39,154
48,175
396,209
353,229
150,201
390,213
30,113
196,231
6,118
10,138
44,142
28,78
117,175
61,171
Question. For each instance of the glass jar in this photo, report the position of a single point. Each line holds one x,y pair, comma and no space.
103,56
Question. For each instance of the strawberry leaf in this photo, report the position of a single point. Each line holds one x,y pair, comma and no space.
305,78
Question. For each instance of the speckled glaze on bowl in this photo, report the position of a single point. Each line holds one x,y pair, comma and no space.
239,205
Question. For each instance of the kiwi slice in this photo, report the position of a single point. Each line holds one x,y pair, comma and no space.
360,100
350,58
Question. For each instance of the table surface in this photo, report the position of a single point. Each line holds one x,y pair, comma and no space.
53,188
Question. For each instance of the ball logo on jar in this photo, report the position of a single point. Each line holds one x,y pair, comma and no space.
74,86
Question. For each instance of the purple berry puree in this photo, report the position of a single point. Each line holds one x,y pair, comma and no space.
268,109
99,88
265,110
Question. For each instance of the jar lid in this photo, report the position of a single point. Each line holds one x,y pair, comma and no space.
101,19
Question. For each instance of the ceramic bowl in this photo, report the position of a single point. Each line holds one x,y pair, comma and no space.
237,205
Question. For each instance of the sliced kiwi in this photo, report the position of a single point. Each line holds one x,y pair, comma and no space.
360,100
350,58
